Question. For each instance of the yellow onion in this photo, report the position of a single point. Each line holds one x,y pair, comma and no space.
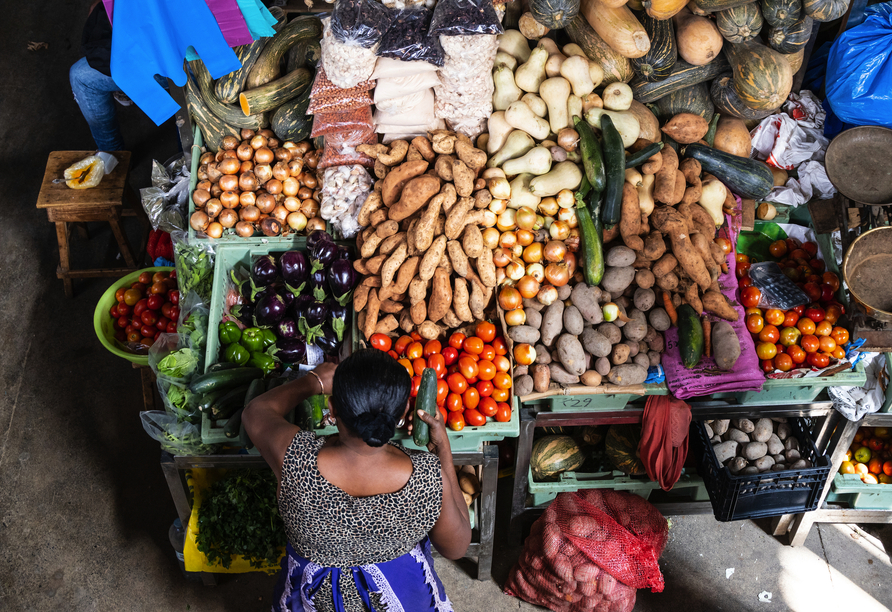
547,295
248,182
247,166
525,218
554,251
509,298
507,240
310,208
295,167
500,188
214,173
280,213
514,270
533,253
501,279
308,179
573,240
206,158
305,193
501,257
228,217
259,141
282,154
537,271
291,204
517,251
527,285
229,199
244,229
264,156
250,214
247,198
199,221
229,142
559,230
315,223
565,198
246,133
491,237
301,148
263,172
200,197
489,219
515,317
213,208
524,237
290,186
548,206
506,221
558,274
216,191
228,182
202,173
280,171
266,203
498,206
229,166
214,230
296,221
274,186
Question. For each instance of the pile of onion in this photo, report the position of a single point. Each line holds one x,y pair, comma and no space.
258,183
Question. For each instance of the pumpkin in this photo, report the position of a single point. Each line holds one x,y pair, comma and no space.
699,40
657,63
762,77
662,9
694,100
592,435
795,59
552,455
714,6
732,136
780,13
740,23
728,102
615,66
554,14
556,431
621,445
683,75
825,10
791,39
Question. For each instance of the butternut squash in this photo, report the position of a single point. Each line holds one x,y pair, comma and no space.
699,40
663,9
618,27
731,136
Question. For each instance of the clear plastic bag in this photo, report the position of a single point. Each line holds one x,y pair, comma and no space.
778,291
195,265
333,104
192,327
408,38
387,67
464,96
396,87
358,119
172,362
465,18
344,191
345,65
324,88
175,437
395,106
340,149
166,201
85,174
360,23
421,114
179,401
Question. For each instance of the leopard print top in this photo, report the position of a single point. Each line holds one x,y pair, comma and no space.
333,529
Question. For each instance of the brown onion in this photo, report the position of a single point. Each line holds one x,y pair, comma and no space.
528,286
296,221
301,148
274,186
200,196
533,253
267,133
229,154
283,154
295,167
280,171
205,185
228,217
214,173
214,230
548,206
547,295
273,143
229,142
247,166
500,277
501,257
304,193
568,139
249,214
558,274
258,141
206,158
312,159
263,156
570,260
247,198
308,179
247,133
290,186
270,227
218,156
248,182
491,237
291,203
199,221
515,317
229,166
244,229
244,151
310,208
202,172
263,172
280,213
215,190
509,298
508,240
315,223
213,207
555,251
288,144
228,182
266,203
537,271
229,199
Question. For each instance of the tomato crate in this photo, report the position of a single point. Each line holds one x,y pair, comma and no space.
689,486
593,402
762,495
795,390
848,489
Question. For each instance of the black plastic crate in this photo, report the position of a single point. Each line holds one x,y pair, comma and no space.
736,498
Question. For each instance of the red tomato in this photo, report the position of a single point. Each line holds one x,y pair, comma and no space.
833,313
810,343
470,398
502,364
806,325
467,367
828,344
775,317
499,345
134,336
149,331
473,380
789,336
488,406
810,247
382,342
796,354
488,352
755,323
464,355
813,291
442,392
165,309
443,414
414,350
437,364
393,354
473,418
416,383
824,328
818,360
456,421
113,311
171,327
766,351
418,366
155,302
416,336
148,318
408,365
119,295
504,413
473,345
750,297
486,331
783,362
486,370
457,383
767,365
790,319
120,336
840,335
744,281
173,297
741,258
502,380
743,269
815,314
456,340
778,249
500,395
484,388
162,323
401,344
453,402
450,355
432,346
769,333
141,306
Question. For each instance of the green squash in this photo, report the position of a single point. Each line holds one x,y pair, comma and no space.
780,13
694,99
683,75
554,14
621,445
740,23
291,121
762,76
825,10
791,39
728,102
657,63
714,6
552,455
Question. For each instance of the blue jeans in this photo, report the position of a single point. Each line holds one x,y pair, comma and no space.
93,93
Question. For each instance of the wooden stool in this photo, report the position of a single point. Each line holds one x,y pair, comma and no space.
104,202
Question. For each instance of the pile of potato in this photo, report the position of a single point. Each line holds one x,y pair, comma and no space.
574,344
422,250
746,447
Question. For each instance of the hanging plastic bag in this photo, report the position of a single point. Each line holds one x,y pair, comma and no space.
408,38
360,23
192,326
175,437
173,363
195,265
166,201
179,401
346,65
859,73
465,18
354,119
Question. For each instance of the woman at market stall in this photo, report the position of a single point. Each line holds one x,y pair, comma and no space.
360,511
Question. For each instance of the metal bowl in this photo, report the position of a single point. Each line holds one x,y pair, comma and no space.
859,164
867,269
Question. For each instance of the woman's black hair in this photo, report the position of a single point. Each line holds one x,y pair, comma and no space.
370,392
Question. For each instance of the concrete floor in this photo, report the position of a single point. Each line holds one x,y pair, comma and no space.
84,510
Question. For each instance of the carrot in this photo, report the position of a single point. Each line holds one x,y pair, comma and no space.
670,308
707,337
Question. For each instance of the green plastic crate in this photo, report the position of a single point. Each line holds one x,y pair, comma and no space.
848,489
795,390
594,403
689,485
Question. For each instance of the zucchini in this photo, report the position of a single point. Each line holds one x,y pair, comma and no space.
683,75
310,412
212,127
234,424
229,86
690,336
268,66
274,94
636,159
208,399
231,401
229,113
427,401
746,177
225,379
614,172
592,161
591,237
291,121
219,367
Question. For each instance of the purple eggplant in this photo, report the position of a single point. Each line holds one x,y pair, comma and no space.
344,253
327,340
244,313
316,313
342,279
287,328
269,310
286,296
294,269
322,254
289,350
337,315
318,236
300,305
264,271
317,286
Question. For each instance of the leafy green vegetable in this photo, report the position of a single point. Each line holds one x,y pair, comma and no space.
179,364
195,271
183,403
240,516
195,329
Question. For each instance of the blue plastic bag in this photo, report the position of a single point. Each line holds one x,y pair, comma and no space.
859,73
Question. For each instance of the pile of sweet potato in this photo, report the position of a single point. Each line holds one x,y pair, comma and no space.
422,250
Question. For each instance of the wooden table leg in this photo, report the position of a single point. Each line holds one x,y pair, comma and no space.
64,262
114,220
148,388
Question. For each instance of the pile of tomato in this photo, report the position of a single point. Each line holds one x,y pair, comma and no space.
870,456
473,373
787,339
149,307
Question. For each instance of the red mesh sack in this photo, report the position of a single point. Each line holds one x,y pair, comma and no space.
340,149
591,551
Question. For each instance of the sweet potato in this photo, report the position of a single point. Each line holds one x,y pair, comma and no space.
375,263
423,145
665,265
441,295
472,241
653,164
360,297
429,330
473,157
407,272
360,266
417,290
693,192
378,217
406,323
398,151
372,203
678,194
686,128
393,263
443,166
418,312
371,314
389,244
450,320
716,303
630,218
552,322
370,246
415,194
396,180
458,258
443,141
391,307
413,154
424,230
460,301
486,268
691,169
654,246
692,297
664,180
431,258
386,325
690,260
609,235
463,178
455,220
480,297
541,377
445,263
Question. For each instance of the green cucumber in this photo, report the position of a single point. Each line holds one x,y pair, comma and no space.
614,172
746,177
219,367
208,399
710,133
234,399
234,424
636,159
426,401
592,161
225,379
690,336
591,246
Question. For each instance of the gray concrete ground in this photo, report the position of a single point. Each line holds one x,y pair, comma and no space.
84,510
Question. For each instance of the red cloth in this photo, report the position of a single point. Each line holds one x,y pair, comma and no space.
664,438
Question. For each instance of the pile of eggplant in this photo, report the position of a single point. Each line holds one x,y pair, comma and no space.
303,297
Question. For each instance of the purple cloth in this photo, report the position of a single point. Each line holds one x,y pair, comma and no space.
232,24
109,8
408,582
705,378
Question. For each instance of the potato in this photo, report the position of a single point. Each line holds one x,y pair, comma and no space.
560,375
791,443
571,354
709,432
736,464
629,374
744,425
523,385
775,446
764,464
585,299
644,299
620,257
654,358
686,128
736,435
763,430
534,318
642,359
725,450
532,304
636,328
603,366
564,292
659,318
590,378
611,332
617,279
620,353
523,334
573,322
749,471
542,354
658,344
720,426
792,455
800,465
633,347
443,166
552,322
644,278
725,345
595,343
784,431
755,450
397,178
520,370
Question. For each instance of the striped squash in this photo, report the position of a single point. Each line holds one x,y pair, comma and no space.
615,66
694,100
683,75
554,14
622,449
657,63
714,6
792,38
780,13
291,121
728,102
825,10
552,455
229,86
762,77
212,127
269,65
795,59
230,113
661,9
274,94
740,23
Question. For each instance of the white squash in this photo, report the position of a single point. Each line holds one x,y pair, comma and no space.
517,143
505,90
536,104
565,175
576,70
536,161
514,44
617,97
549,45
504,59
625,122
574,107
520,193
554,63
531,73
646,194
572,49
498,130
555,91
712,197
521,117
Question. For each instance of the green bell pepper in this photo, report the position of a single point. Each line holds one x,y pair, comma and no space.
236,353
252,339
229,333
269,338
263,361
